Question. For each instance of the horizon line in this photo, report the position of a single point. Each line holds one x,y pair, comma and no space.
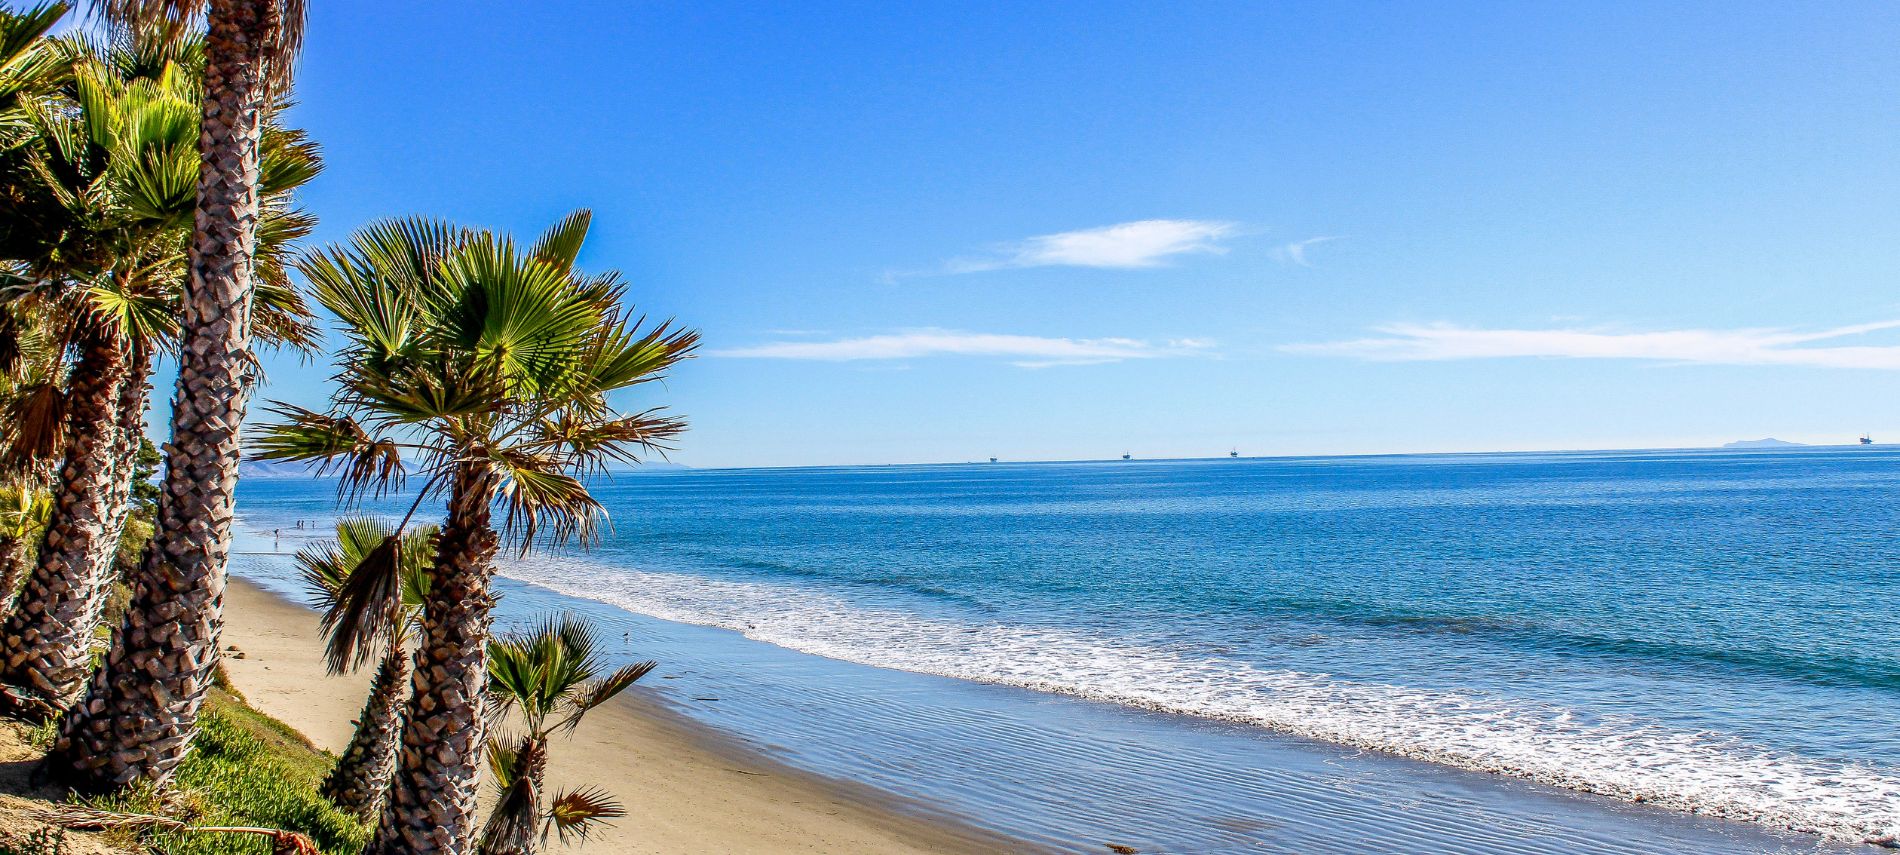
1791,446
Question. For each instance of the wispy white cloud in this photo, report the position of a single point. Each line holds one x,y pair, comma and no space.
1022,350
1142,243
1440,342
1295,252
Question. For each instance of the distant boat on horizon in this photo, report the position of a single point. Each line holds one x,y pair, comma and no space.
1866,439
1127,456
1234,453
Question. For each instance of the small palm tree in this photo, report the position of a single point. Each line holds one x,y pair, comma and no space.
372,600
488,366
550,678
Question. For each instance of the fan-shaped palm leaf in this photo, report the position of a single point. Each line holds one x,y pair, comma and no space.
577,813
371,583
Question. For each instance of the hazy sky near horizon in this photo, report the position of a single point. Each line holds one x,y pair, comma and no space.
943,232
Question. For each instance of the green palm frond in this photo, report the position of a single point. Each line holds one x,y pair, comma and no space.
138,314
30,64
589,445
154,147
149,53
561,243
603,690
535,672
513,315
174,19
99,167
554,674
504,762
474,349
20,32
287,160
537,494
429,391
338,444
514,679
282,319
627,359
280,315
24,508
575,814
371,583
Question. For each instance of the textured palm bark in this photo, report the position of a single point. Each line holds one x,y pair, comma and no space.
361,776
13,569
431,802
131,429
46,641
137,721
514,832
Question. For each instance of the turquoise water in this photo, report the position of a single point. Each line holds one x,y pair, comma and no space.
1250,655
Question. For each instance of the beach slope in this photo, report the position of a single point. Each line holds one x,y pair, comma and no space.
686,790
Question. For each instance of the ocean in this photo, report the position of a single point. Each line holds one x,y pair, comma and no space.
1664,651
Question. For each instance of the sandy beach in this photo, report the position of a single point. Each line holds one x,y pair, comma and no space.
686,790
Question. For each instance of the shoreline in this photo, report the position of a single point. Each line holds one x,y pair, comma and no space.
1069,773
687,788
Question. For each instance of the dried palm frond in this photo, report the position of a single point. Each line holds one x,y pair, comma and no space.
511,823
575,814
82,818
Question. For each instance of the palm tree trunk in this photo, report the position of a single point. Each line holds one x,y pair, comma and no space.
431,806
137,721
125,453
12,571
362,774
46,642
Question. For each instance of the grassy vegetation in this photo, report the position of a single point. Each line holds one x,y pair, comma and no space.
245,769
46,841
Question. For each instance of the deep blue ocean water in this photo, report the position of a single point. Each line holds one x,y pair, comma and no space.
1254,654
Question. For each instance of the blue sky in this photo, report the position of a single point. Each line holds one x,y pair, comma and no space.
923,232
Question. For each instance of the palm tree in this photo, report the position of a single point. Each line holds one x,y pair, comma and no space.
369,605
137,720
550,677
488,366
110,186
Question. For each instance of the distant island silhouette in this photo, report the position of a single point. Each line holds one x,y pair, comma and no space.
1769,442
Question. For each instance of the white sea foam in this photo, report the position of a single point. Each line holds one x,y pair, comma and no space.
1701,772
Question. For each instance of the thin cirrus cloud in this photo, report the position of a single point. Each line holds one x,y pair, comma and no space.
1295,252
1444,342
1142,243
1022,350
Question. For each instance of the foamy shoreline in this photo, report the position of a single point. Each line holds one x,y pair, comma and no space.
1691,773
